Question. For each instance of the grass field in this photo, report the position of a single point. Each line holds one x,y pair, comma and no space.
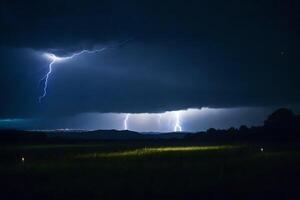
149,170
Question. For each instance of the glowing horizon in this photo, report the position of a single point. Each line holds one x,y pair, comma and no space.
189,120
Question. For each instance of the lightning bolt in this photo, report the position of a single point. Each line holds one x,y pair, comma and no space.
177,126
45,78
159,119
55,59
126,121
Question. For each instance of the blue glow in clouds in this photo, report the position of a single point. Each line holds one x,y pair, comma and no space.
14,123
10,120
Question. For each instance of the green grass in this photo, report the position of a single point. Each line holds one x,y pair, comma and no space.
149,170
155,150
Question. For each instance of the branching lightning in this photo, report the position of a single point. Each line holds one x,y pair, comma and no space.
46,77
177,126
55,59
126,121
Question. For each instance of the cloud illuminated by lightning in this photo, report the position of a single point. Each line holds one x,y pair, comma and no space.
126,121
144,118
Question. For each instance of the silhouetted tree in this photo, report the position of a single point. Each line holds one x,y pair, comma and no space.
211,131
243,129
281,118
281,125
232,131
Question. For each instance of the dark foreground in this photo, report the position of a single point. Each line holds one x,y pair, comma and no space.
149,170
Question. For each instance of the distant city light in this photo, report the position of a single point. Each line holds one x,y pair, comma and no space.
261,149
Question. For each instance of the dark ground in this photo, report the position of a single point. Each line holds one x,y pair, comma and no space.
160,169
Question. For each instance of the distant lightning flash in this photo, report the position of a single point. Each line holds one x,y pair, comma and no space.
177,126
159,119
126,121
55,59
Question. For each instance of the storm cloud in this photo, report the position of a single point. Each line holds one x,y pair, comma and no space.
181,55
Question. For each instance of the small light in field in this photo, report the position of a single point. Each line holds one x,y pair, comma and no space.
23,159
261,149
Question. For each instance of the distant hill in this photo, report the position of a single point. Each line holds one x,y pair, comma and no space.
98,135
50,135
12,136
170,135
115,135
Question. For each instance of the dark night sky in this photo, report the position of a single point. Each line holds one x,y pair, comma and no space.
181,54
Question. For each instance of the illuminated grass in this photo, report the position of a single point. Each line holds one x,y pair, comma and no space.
155,150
